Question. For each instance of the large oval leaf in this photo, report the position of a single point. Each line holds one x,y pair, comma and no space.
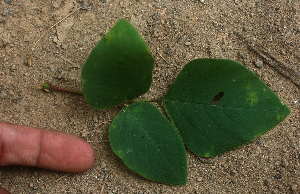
149,144
218,105
118,69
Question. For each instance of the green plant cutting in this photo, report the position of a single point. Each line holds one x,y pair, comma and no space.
213,106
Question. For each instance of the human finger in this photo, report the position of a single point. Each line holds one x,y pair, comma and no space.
4,191
49,149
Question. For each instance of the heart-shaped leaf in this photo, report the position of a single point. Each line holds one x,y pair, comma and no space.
217,105
149,144
118,69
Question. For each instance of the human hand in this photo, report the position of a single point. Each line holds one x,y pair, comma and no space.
49,149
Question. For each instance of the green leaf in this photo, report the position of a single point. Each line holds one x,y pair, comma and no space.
118,69
217,105
149,144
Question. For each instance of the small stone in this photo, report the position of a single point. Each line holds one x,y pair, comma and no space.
258,150
284,163
210,177
258,63
294,187
206,160
17,99
64,46
31,185
233,172
155,16
103,1
95,119
155,34
2,43
177,10
4,94
202,1
7,1
187,43
176,24
267,182
278,176
83,6
6,11
13,68
287,35
2,20
199,179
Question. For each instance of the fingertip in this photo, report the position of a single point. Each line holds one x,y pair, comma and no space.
72,154
4,191
49,149
84,157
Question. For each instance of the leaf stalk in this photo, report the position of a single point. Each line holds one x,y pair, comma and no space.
49,87
147,100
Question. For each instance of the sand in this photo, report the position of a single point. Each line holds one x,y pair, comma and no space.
176,33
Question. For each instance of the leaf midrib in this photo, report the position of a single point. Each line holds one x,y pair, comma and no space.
141,126
237,108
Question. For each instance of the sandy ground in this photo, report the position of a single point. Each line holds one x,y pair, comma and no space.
176,32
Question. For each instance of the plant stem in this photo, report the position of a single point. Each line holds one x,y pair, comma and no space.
48,87
147,100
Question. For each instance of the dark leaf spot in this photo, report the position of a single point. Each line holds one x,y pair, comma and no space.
216,99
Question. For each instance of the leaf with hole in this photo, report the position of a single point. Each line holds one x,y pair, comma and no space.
217,105
149,144
118,69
